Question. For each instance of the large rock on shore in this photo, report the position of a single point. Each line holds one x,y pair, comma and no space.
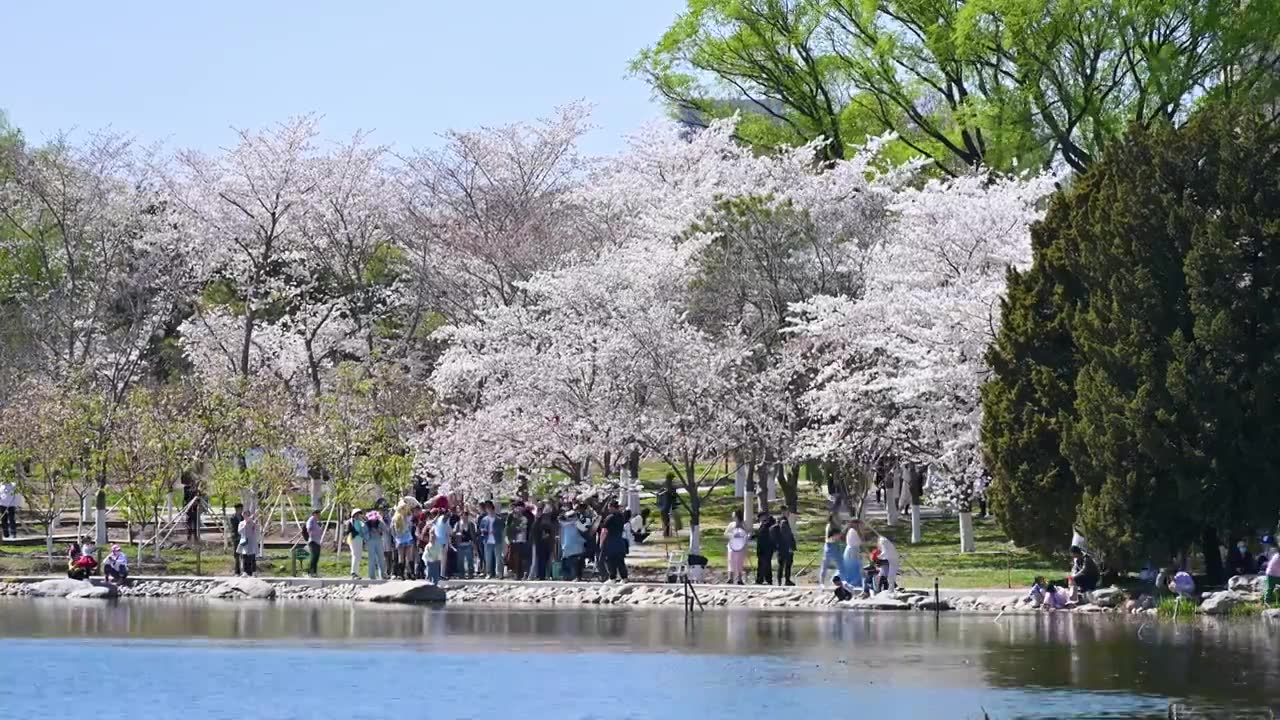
1221,603
402,591
243,588
75,589
1108,597
879,602
1271,614
1245,583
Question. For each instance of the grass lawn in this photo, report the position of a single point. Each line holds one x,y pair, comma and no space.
995,564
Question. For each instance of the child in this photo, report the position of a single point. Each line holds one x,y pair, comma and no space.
1054,599
1037,592
432,557
842,591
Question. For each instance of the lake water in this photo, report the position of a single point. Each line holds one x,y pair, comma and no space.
137,658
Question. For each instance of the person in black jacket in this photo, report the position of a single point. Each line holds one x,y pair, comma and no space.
667,503
544,540
764,550
784,543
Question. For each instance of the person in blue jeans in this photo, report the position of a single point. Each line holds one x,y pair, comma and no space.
493,534
464,534
573,545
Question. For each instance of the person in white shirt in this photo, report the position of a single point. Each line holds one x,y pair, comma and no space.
889,557
738,537
639,525
8,509
116,566
315,533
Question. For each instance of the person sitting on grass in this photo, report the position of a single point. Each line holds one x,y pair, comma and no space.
116,566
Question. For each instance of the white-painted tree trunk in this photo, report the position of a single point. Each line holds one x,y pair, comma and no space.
917,529
100,526
633,495
317,493
967,543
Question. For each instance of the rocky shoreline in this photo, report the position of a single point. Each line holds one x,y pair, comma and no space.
558,594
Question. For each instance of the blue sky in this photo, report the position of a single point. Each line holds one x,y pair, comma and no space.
183,73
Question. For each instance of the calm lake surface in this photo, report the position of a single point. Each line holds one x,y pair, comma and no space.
290,660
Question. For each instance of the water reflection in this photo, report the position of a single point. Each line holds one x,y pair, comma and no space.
1227,662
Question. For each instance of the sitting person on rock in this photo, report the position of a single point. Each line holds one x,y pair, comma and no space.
116,565
841,590
1055,598
80,566
1084,572
1036,595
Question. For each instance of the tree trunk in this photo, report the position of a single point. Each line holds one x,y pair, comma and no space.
1213,569
100,514
967,543
749,492
317,490
695,508
789,483
891,495
917,529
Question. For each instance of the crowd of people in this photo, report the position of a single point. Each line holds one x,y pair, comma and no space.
524,541
856,575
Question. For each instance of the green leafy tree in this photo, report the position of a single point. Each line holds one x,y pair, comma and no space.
153,444
967,83
42,432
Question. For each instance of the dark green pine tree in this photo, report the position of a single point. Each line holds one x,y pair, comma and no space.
1136,375
1031,392
1228,378
1124,443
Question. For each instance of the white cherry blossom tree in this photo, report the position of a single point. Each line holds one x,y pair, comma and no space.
901,365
